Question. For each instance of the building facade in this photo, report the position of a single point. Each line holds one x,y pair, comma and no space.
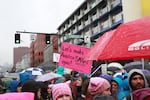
95,17
19,52
32,54
37,50
40,52
50,49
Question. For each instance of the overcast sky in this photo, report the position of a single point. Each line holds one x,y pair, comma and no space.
31,16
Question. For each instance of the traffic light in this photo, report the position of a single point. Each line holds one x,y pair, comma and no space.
17,38
47,39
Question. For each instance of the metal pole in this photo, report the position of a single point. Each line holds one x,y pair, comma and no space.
96,70
142,63
36,32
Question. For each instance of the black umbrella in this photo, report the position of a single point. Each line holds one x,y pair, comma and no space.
136,65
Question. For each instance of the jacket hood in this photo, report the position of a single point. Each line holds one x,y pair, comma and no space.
118,80
13,85
139,72
60,70
24,76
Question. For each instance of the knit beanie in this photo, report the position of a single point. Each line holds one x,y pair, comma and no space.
60,89
106,76
98,85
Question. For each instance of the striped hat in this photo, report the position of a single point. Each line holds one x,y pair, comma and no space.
60,89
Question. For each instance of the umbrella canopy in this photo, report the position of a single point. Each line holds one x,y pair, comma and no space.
114,67
136,65
98,48
48,76
34,71
129,41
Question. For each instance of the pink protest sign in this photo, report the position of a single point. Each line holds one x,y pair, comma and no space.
72,56
17,96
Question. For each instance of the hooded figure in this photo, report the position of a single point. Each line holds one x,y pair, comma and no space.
137,80
60,70
24,76
13,85
134,72
119,93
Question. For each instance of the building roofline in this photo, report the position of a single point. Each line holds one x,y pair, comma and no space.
72,13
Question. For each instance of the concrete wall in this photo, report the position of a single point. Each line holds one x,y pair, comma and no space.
131,9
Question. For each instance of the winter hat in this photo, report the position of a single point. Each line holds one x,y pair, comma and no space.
97,85
60,89
106,76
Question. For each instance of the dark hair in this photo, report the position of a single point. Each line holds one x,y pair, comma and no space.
85,86
67,76
31,86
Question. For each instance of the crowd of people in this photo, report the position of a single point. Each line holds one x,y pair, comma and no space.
133,85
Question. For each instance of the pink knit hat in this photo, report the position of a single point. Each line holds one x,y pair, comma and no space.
97,85
60,89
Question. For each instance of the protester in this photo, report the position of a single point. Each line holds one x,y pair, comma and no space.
19,87
107,76
61,91
117,88
98,87
126,89
141,94
66,77
2,89
78,85
32,86
15,86
49,94
137,81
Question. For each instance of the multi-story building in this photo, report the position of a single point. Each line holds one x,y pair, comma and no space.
36,50
19,52
50,49
40,52
94,17
32,54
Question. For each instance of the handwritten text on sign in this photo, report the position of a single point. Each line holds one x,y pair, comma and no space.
72,56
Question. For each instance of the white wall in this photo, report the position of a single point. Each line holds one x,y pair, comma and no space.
131,9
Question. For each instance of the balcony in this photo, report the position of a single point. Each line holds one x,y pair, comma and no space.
117,17
115,3
96,29
104,10
95,16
